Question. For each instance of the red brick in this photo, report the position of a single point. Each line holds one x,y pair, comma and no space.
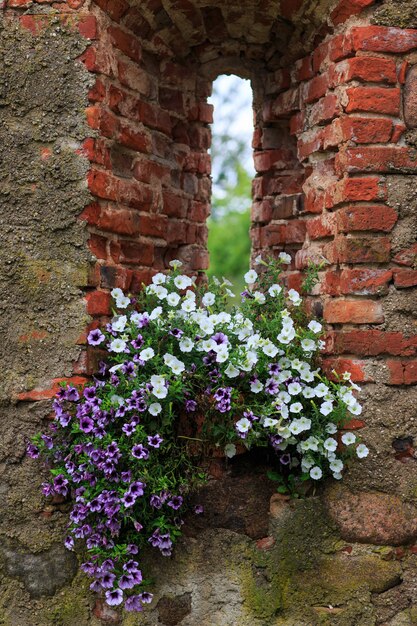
398,132
325,110
366,129
347,8
98,246
340,366
175,205
405,278
340,47
322,226
98,303
126,43
288,8
384,39
374,343
402,72
272,159
154,117
135,139
309,143
375,99
361,189
103,185
366,217
359,250
304,69
377,159
115,9
121,221
367,69
319,55
402,372
287,102
407,256
366,281
295,231
136,253
47,393
353,312
315,88
87,26
297,123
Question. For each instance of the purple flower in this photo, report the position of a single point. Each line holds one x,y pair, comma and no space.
198,509
285,459
128,499
220,338
190,405
131,566
126,581
95,337
114,597
146,598
274,369
86,424
48,441
72,394
69,543
138,342
126,477
89,393
140,452
132,548
128,429
271,387
107,580
32,451
137,488
155,501
275,440
155,441
176,332
60,484
175,502
133,603
138,526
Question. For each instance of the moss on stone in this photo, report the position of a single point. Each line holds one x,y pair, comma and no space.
399,13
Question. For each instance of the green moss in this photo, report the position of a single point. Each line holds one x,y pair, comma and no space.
69,608
399,13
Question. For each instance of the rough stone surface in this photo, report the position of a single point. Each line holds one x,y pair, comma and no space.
368,517
402,13
172,610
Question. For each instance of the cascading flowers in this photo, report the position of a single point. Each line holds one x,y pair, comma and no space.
177,352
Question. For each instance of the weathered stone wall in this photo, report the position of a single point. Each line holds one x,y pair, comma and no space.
105,177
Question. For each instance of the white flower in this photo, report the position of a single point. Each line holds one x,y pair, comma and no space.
119,323
315,326
330,444
243,425
312,443
337,476
308,345
362,451
270,349
326,407
116,293
160,391
168,358
157,380
182,282
188,305
251,277
208,299
159,279
321,390
269,422
259,297
190,294
321,344
230,450
157,312
274,290
284,411
256,386
146,354
115,368
224,318
331,428
177,366
286,336
308,392
294,389
305,423
173,298
285,258
222,354
348,439
117,345
175,264
208,345
206,326
295,427
306,464
336,466
295,297
138,318
356,409
231,371
160,292
154,408
122,302
296,407
186,345
316,473
284,432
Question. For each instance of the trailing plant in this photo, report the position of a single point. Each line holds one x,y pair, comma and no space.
183,370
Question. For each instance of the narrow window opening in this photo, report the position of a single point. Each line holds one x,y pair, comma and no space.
232,174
